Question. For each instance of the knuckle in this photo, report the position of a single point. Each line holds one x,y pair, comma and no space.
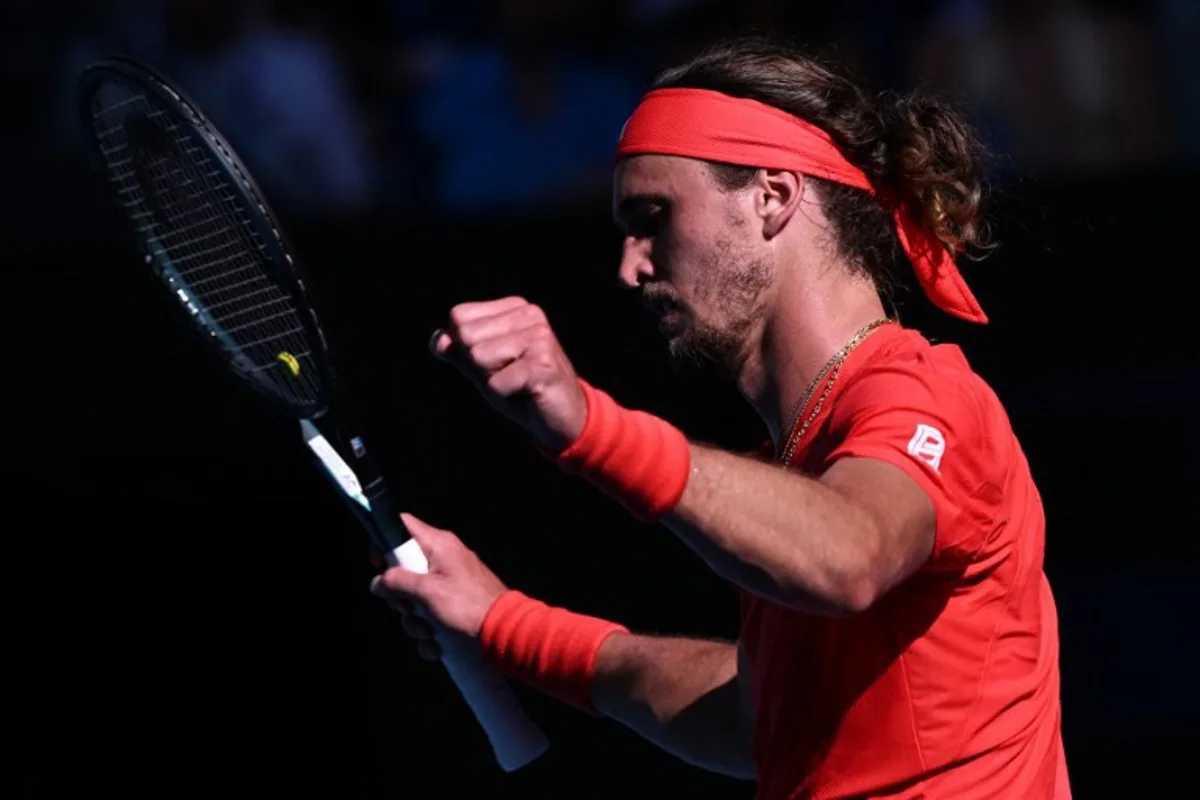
507,383
542,348
450,543
544,357
473,333
460,315
475,350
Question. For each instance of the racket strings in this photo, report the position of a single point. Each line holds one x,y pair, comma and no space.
184,206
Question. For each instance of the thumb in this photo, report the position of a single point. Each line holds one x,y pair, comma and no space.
426,535
440,344
444,348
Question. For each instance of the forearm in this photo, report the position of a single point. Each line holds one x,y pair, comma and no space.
775,533
681,694
770,530
833,543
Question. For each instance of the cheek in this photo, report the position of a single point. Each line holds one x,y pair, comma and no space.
681,257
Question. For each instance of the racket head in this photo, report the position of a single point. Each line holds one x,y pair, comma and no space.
205,229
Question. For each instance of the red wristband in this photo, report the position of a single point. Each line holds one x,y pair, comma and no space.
640,460
550,649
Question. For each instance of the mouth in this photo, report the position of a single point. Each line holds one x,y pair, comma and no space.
667,311
671,322
660,305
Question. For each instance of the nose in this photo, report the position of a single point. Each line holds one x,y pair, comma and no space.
636,267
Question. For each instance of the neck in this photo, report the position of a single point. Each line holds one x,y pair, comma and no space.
806,327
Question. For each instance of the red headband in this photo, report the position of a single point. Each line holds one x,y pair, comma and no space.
698,123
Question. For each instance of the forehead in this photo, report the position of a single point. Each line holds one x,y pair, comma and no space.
654,176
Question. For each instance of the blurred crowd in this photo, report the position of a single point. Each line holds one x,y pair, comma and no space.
483,107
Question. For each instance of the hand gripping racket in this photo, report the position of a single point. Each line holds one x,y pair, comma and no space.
205,230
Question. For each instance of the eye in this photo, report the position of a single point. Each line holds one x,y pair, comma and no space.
647,220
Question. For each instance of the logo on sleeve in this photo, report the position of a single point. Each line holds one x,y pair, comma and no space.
928,445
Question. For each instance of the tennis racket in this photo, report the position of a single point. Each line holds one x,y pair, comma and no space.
204,229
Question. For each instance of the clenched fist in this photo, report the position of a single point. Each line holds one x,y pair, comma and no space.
507,349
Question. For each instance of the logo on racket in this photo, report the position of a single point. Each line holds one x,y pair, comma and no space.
290,362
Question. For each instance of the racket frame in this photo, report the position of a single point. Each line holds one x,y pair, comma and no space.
334,409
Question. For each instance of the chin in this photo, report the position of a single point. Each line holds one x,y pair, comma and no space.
693,352
686,358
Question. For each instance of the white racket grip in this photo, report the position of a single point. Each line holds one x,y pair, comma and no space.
516,739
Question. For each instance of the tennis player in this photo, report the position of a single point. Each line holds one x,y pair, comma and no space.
898,635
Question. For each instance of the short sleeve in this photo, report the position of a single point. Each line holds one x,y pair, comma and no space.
913,421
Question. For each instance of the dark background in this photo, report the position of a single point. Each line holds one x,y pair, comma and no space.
187,609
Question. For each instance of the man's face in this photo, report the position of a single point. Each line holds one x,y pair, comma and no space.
694,251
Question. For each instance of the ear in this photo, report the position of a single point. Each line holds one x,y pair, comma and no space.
777,196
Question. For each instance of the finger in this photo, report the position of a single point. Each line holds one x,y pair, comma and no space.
446,348
400,603
463,313
398,580
429,650
422,611
440,343
416,627
511,380
495,317
431,543
427,536
491,355
411,609
402,611
481,329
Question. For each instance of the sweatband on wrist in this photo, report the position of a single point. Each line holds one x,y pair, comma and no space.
640,460
550,649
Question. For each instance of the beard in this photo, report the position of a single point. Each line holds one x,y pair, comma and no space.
700,348
716,343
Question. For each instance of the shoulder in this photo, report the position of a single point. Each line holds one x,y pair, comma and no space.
921,407
911,374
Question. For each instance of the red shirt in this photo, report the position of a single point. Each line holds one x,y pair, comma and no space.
948,686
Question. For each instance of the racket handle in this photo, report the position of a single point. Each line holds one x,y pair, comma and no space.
516,739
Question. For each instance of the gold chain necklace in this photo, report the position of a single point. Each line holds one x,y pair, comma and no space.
832,368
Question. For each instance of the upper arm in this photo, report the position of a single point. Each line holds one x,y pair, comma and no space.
896,520
904,439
